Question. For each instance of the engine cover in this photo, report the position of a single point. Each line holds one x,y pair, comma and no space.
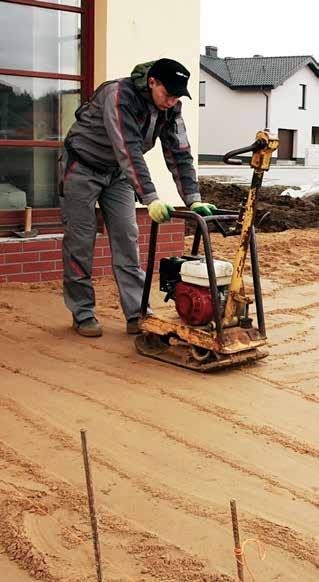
193,303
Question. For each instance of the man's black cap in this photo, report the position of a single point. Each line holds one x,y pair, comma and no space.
173,75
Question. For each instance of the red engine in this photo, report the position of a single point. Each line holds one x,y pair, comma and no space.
193,303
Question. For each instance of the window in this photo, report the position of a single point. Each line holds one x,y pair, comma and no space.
303,96
43,78
202,93
315,135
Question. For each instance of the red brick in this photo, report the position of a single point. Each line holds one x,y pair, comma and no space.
98,252
108,271
10,269
164,237
42,266
100,262
169,247
58,243
51,276
167,227
108,261
58,265
25,277
50,255
1,259
10,247
41,213
144,248
178,236
107,251
144,229
39,245
11,217
101,241
21,257
142,216
98,272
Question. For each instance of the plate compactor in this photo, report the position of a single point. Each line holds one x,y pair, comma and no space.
212,327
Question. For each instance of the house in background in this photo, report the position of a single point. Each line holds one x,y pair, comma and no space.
52,56
239,96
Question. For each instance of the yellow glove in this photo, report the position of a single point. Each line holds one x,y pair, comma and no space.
160,211
203,208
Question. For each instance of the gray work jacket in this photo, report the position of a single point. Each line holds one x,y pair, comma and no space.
119,125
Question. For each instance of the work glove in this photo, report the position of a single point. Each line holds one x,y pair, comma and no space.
160,211
203,208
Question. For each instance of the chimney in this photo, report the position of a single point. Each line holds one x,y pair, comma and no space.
211,51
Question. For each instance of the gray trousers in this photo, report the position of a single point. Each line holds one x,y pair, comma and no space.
82,188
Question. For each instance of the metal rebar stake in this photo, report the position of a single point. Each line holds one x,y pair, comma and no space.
240,565
94,526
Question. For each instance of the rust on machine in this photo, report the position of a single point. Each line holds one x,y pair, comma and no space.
235,339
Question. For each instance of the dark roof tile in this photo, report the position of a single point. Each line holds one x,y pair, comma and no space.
256,71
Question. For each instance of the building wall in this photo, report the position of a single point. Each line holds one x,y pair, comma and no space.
100,20
40,258
140,31
126,33
285,112
230,119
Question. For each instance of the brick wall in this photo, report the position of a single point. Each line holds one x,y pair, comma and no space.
40,259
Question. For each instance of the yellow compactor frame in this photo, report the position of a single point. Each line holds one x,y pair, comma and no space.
231,338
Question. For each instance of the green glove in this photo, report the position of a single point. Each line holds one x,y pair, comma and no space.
203,208
160,211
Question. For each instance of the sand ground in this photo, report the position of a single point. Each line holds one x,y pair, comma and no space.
169,447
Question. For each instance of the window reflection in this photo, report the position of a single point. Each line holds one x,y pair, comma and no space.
43,40
38,109
28,176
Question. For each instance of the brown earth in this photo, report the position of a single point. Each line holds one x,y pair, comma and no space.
169,447
275,212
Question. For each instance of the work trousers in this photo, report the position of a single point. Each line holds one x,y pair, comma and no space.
82,189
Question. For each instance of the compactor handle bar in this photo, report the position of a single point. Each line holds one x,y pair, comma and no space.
228,158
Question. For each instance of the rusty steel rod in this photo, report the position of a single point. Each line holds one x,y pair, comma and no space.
238,550
91,502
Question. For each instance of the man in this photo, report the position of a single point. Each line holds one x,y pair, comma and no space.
104,162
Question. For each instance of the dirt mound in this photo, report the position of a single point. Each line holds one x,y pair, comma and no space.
275,213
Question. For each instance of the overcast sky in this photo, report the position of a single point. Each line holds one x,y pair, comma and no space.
243,28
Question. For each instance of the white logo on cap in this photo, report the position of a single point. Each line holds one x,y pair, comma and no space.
181,74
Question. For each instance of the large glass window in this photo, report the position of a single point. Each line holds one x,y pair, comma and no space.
44,76
43,40
32,108
28,177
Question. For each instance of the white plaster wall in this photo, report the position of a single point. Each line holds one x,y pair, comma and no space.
143,30
230,119
285,112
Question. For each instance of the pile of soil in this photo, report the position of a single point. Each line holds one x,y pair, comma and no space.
279,212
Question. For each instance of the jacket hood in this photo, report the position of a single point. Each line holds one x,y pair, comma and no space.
139,76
